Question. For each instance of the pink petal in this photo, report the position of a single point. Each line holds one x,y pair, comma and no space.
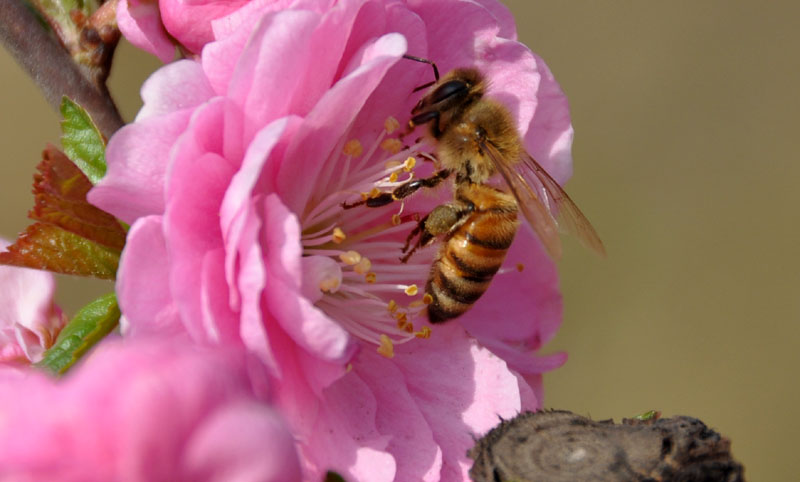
412,442
190,21
550,132
142,287
140,23
312,146
160,96
134,184
308,326
463,397
345,437
263,449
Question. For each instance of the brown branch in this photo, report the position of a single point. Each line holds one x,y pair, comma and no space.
52,68
559,446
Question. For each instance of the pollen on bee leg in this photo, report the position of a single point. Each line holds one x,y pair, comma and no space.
353,148
375,192
409,164
338,235
350,258
392,146
391,124
363,265
386,348
411,290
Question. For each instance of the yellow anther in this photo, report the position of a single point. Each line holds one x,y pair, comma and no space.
330,285
393,177
411,290
392,306
375,192
363,265
520,267
409,328
409,164
396,220
427,299
371,277
350,258
402,319
391,125
425,333
338,235
386,348
392,145
353,148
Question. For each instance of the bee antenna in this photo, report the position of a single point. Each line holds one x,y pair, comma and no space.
425,61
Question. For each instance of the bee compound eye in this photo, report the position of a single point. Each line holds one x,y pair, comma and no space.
449,90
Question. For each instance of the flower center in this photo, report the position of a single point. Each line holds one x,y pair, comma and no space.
373,295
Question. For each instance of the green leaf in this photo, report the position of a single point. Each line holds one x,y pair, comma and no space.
82,141
649,415
60,190
48,247
89,326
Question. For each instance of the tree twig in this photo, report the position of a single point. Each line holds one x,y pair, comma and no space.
52,68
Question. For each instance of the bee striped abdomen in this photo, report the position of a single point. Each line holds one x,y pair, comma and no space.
469,259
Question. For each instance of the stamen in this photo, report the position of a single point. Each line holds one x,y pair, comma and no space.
396,220
375,192
424,333
411,290
391,125
427,299
353,148
392,145
371,277
350,258
363,265
393,177
409,164
386,348
392,306
338,235
330,285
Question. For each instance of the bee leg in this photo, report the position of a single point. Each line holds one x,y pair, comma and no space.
441,220
402,191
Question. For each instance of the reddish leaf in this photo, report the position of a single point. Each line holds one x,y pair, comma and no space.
48,247
60,191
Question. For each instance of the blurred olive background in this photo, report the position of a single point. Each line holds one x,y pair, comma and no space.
685,115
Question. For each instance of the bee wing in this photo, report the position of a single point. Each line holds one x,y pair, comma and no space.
533,208
569,217
548,211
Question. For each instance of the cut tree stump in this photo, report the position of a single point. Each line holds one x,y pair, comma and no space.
556,446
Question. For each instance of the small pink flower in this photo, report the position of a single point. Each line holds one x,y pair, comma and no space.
233,176
29,319
143,410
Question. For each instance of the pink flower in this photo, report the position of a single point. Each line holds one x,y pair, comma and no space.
233,177
143,410
29,319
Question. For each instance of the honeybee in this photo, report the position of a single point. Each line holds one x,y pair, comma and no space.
475,138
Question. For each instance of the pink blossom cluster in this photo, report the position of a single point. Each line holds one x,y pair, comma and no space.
233,178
